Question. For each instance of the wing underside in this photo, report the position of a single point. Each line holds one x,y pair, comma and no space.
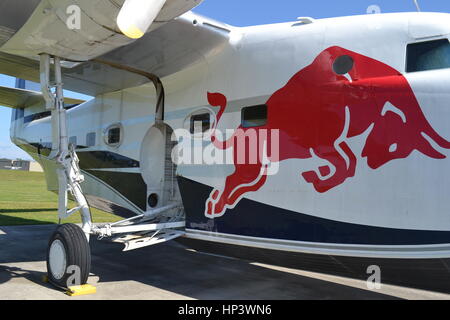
172,47
20,98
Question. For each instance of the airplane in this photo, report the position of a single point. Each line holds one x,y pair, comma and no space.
327,137
13,168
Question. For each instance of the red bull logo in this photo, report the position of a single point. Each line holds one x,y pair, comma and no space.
341,95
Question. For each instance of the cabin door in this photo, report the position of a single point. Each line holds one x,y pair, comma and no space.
157,167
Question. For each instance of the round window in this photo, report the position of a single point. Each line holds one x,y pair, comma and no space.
343,65
153,200
113,135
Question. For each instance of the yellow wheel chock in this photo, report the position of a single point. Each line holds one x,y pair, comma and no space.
82,290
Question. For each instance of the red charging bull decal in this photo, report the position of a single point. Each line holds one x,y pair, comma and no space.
341,95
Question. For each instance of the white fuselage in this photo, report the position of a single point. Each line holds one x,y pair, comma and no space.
409,194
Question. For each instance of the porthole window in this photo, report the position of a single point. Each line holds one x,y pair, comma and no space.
255,116
152,200
343,64
114,135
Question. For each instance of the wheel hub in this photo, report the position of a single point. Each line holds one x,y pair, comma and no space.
57,259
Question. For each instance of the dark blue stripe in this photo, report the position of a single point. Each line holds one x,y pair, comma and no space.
45,114
130,185
104,160
251,218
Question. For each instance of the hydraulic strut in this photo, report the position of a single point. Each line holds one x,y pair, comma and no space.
63,154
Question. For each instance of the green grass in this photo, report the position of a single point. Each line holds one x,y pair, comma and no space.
24,200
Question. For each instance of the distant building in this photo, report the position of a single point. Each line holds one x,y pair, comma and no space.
22,165
5,163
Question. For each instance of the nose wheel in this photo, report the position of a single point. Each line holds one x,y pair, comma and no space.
68,257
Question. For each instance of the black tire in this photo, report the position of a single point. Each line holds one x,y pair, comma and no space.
71,240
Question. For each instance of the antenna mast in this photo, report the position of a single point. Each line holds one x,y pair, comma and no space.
416,2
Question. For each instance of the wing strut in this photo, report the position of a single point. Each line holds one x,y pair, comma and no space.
64,155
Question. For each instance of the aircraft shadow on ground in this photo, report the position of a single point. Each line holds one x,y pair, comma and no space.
171,267
425,274
249,282
195,275
7,273
174,269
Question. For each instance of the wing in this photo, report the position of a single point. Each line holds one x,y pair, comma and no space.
20,98
167,48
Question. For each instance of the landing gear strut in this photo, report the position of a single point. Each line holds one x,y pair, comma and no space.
68,251
68,255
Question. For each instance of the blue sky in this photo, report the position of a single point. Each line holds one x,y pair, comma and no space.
254,12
